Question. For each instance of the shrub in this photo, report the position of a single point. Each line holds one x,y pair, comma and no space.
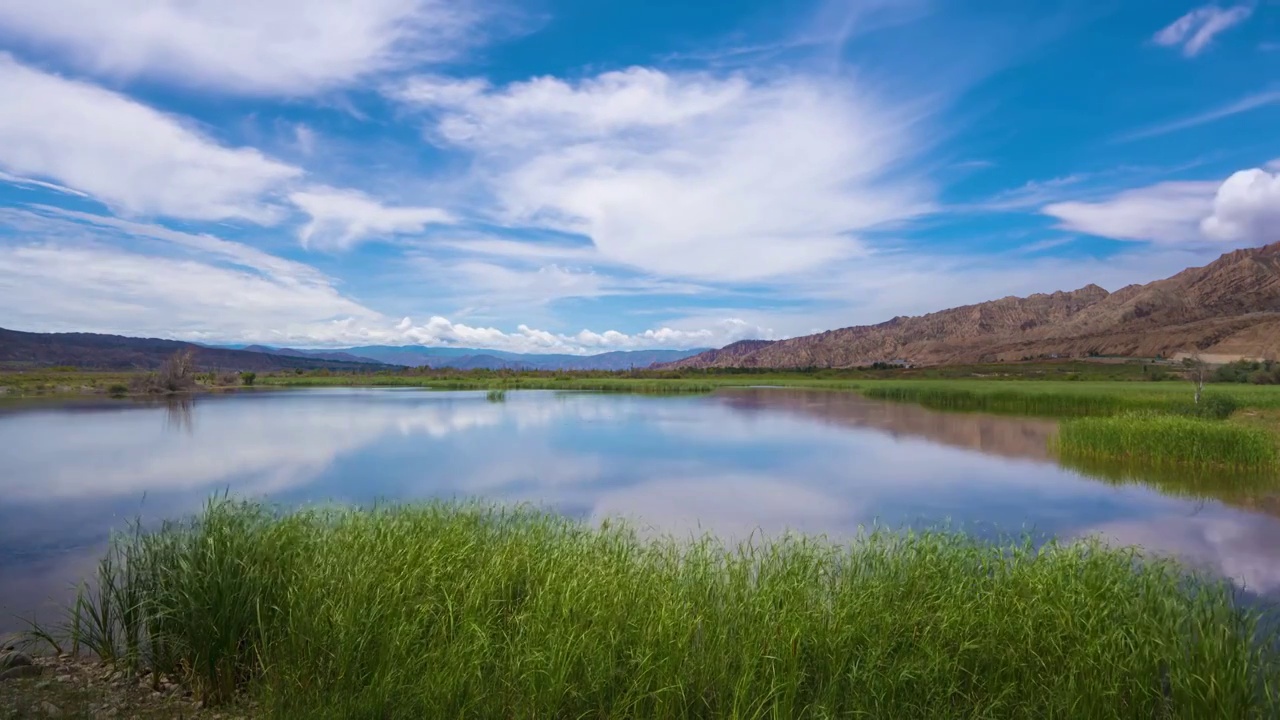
178,372
1210,407
118,390
248,377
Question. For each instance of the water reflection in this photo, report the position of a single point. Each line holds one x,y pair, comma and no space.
731,463
178,413
1011,437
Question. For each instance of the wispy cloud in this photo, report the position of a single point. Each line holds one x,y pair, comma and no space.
1243,105
342,218
31,182
286,47
686,174
1194,31
126,154
1168,212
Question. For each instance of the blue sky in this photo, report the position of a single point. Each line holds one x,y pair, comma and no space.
583,176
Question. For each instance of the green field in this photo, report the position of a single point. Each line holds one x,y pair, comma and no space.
448,610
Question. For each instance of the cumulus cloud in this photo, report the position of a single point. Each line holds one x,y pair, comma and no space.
343,218
131,157
1246,208
1194,31
246,46
686,174
441,331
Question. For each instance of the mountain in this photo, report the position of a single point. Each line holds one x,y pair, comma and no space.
1224,310
316,354
471,358
115,352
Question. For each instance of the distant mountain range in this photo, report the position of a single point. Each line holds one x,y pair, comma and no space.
471,358
116,352
1226,310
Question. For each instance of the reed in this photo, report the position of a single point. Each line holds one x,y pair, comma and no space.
1162,440
461,610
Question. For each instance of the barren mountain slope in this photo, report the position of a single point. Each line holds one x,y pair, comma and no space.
1231,306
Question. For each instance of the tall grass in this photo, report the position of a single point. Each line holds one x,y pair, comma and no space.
1161,440
1011,400
448,610
1051,399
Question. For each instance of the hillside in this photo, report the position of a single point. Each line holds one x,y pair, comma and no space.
1230,307
115,352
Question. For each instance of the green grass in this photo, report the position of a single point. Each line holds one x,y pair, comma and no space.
1071,399
1160,440
455,610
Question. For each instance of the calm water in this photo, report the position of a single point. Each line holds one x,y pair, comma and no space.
727,463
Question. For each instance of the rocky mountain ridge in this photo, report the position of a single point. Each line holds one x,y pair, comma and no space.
1230,307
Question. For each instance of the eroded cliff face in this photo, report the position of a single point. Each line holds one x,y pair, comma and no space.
1229,307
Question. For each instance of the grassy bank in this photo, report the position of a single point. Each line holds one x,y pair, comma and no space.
449,610
1159,440
1073,399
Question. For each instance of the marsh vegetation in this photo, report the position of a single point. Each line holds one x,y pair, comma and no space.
451,610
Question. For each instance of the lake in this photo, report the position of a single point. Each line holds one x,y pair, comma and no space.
731,463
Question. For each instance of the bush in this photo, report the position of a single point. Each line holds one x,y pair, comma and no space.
248,377
178,372
118,390
1211,407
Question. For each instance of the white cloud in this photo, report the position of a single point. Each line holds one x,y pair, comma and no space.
42,219
441,331
1194,31
30,182
281,46
131,157
1243,105
716,177
72,275
1169,212
46,287
1246,208
342,218
55,287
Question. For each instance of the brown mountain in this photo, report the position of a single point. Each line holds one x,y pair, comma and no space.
1230,307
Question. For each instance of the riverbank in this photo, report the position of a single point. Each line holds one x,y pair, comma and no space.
448,610
63,686
1249,409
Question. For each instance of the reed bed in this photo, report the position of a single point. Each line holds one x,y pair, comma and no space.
1053,400
1164,440
459,610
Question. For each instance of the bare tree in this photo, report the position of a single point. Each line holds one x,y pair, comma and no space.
1197,372
178,372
